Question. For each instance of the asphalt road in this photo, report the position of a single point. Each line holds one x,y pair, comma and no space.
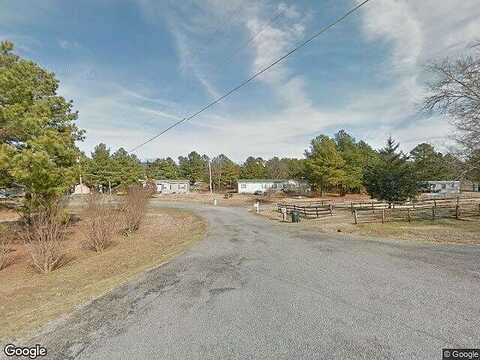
256,289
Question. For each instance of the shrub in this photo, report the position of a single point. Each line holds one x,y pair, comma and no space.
102,222
134,206
4,247
44,237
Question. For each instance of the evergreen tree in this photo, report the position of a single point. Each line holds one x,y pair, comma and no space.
126,168
99,168
324,164
429,164
296,168
163,169
193,167
391,177
276,168
354,166
225,172
37,130
253,168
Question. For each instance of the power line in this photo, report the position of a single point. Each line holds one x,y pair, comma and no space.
252,38
254,76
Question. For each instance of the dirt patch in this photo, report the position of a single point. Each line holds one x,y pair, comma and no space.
29,299
247,200
8,215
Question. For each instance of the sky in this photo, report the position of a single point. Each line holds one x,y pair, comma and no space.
133,67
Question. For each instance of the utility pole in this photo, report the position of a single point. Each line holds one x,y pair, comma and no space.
210,175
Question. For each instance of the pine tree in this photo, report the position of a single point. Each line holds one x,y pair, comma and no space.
193,167
430,164
126,168
163,169
324,164
37,130
253,168
100,167
391,177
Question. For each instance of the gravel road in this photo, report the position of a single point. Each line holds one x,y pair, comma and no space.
257,289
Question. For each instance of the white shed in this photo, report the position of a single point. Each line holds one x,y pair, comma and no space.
81,189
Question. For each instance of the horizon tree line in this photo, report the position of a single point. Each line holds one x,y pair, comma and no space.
39,136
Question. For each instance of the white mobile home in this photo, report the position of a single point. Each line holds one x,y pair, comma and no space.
173,186
444,187
252,186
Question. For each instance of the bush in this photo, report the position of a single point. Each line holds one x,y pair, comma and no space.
44,237
102,222
134,207
4,247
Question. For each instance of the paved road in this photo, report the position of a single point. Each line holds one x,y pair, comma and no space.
254,289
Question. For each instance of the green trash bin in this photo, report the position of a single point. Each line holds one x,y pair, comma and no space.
295,217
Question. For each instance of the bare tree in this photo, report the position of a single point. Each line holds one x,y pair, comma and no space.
456,92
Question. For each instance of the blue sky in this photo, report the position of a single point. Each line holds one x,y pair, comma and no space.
132,67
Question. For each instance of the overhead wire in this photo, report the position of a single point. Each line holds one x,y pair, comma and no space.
254,76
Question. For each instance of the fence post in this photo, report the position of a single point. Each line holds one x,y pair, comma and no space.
457,211
331,209
351,206
316,210
433,213
355,217
383,216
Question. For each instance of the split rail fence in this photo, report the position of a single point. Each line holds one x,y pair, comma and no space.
376,211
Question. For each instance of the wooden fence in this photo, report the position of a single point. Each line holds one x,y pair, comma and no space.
308,211
453,211
377,211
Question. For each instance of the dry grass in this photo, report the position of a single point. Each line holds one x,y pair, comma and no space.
440,231
30,299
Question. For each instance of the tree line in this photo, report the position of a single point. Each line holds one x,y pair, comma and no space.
39,137
339,163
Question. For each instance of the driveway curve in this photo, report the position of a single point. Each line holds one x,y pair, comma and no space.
257,289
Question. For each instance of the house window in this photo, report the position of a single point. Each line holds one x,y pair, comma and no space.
243,186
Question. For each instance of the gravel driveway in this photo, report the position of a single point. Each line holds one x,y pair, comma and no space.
256,289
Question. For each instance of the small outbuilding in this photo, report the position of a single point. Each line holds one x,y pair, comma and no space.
81,189
172,186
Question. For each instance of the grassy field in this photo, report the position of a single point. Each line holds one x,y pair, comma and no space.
29,299
441,231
